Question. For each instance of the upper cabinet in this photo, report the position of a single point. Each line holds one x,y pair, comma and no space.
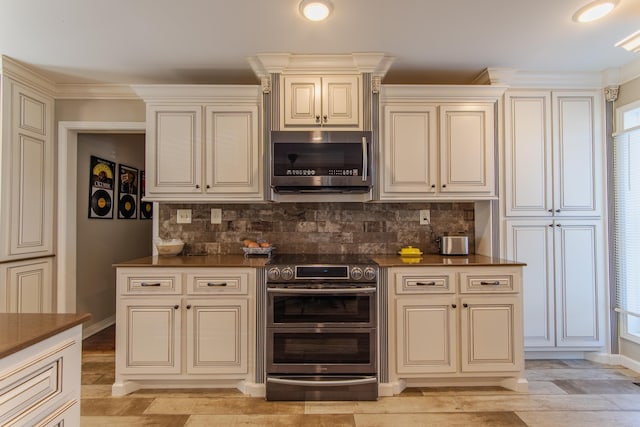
203,143
553,153
435,147
327,101
26,169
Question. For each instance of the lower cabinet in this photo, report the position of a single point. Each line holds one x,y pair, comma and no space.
27,286
461,324
183,327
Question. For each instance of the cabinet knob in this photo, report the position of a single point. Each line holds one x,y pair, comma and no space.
550,211
175,307
188,306
317,119
550,225
197,186
558,210
444,185
453,305
324,118
208,186
433,186
558,225
465,305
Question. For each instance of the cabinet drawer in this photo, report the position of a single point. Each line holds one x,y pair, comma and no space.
488,283
420,283
150,282
219,281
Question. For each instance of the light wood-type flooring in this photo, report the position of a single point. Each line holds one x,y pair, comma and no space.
561,393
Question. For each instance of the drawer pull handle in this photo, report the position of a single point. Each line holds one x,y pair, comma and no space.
496,283
425,283
150,284
216,284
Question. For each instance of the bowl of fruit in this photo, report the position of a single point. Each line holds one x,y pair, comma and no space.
257,247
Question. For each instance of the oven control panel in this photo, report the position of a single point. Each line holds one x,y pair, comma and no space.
301,273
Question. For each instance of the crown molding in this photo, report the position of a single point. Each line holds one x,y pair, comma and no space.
409,93
376,63
536,79
204,93
629,72
26,75
95,91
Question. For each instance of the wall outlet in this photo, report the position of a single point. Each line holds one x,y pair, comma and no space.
216,216
183,216
425,216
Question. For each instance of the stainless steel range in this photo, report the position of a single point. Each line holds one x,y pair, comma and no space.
321,328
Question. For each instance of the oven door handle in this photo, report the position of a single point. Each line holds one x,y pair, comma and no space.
324,383
365,159
367,290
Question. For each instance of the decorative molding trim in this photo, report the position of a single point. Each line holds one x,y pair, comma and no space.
630,72
611,93
533,79
26,75
266,84
444,92
376,84
95,91
198,93
375,63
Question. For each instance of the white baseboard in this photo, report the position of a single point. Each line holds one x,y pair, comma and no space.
614,359
98,326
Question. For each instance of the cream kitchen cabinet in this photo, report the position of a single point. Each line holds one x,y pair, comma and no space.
564,294
456,324
203,143
553,153
441,151
183,327
27,286
321,101
27,163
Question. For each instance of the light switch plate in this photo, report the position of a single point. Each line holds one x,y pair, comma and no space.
183,216
216,216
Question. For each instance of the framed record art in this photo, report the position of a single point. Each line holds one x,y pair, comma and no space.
127,192
146,208
101,183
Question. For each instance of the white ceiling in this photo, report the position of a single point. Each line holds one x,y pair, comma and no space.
209,41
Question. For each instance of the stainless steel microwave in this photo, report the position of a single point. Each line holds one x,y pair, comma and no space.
321,161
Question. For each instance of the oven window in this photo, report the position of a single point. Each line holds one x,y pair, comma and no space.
322,348
332,308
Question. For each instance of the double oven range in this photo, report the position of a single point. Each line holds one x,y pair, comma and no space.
321,339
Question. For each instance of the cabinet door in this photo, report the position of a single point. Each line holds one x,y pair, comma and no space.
302,101
217,336
531,242
27,174
578,149
426,334
528,154
173,149
467,149
579,283
27,287
148,335
409,151
490,333
233,155
341,101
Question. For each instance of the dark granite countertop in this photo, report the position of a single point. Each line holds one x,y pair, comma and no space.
21,330
427,260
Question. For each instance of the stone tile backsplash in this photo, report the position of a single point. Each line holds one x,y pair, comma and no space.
380,228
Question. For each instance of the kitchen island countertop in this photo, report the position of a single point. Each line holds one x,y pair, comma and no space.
21,330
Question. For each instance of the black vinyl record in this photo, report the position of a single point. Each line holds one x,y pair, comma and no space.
146,210
127,206
101,202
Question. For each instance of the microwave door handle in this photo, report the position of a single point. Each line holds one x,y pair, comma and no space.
365,159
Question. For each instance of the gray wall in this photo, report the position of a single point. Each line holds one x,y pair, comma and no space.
629,92
103,242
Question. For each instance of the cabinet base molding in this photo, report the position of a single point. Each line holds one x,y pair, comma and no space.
555,354
519,384
123,387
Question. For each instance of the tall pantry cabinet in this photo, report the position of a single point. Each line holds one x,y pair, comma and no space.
26,190
553,215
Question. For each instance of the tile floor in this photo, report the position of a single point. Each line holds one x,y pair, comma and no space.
561,393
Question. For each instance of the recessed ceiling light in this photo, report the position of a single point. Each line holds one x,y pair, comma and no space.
316,10
594,10
631,43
